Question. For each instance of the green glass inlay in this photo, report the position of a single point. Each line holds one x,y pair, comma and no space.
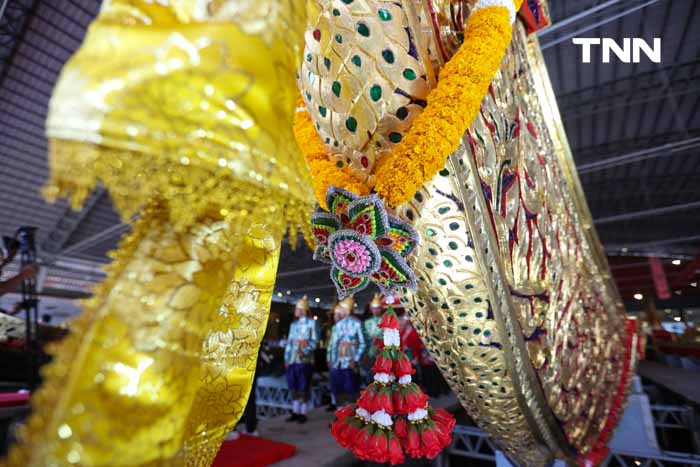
388,56
395,137
327,62
336,12
442,281
430,233
356,60
384,14
447,263
339,38
444,172
409,74
322,110
443,210
454,226
375,92
363,29
402,113
351,124
335,87
453,245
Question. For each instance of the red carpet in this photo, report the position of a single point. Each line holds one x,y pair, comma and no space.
13,399
252,451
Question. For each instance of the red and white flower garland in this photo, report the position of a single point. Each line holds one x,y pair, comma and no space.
392,417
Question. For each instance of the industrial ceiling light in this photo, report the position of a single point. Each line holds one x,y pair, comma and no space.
317,300
693,284
677,318
289,292
279,294
638,296
676,262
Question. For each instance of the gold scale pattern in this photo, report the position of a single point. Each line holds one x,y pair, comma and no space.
553,307
367,69
527,338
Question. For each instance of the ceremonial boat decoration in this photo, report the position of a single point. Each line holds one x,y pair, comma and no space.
513,298
435,118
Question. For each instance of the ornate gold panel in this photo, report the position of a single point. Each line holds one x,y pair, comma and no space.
547,316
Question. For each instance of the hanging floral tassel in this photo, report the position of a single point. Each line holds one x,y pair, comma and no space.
392,417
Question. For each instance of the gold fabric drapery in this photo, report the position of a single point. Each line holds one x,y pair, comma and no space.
184,107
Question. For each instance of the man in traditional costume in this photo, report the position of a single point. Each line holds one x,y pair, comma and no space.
345,353
371,325
299,358
373,335
337,316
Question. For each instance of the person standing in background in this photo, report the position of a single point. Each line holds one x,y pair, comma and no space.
346,348
299,359
373,335
337,316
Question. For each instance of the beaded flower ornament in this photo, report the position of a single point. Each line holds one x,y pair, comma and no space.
363,243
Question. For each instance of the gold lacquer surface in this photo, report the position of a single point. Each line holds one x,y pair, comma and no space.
452,310
158,367
555,328
566,312
365,74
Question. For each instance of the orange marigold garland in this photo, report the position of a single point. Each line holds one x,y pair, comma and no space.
392,418
437,131
323,171
452,106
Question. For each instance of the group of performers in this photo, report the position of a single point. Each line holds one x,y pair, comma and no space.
351,345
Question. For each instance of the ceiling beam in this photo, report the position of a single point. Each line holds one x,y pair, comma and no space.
573,19
616,147
14,21
608,19
670,82
663,150
109,232
647,213
69,222
303,271
653,243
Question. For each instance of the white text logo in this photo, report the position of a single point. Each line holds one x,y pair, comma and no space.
630,52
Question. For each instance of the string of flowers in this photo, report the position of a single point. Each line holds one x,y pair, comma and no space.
392,417
324,172
436,132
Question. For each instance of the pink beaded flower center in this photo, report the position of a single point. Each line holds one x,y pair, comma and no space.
352,256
